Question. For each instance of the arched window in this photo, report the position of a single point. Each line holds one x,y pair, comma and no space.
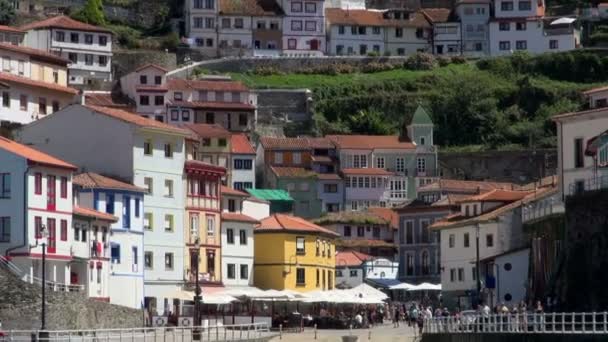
409,265
426,264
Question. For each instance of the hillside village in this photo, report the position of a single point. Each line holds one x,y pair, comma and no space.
146,185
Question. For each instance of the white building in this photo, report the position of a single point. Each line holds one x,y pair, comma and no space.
11,35
243,157
36,208
446,36
576,170
237,240
474,16
201,25
88,47
33,83
353,268
304,26
509,271
125,247
151,156
519,25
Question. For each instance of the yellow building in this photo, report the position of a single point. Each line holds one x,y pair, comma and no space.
293,254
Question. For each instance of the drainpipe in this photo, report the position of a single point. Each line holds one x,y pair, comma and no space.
7,253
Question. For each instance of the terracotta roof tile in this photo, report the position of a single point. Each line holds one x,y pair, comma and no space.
104,99
370,142
339,16
213,105
237,217
329,176
250,7
351,258
288,223
437,15
367,171
63,22
4,76
150,65
303,143
498,195
233,192
91,180
151,89
595,90
352,217
208,130
33,155
293,172
35,54
240,144
457,185
4,28
88,212
387,214
203,166
182,84
137,120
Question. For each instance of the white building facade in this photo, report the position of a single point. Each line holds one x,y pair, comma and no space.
304,26
474,16
243,162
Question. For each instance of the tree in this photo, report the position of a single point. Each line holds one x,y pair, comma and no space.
7,12
92,13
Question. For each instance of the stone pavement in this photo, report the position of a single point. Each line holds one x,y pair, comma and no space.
383,333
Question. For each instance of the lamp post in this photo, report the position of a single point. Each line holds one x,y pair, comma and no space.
477,273
197,293
44,233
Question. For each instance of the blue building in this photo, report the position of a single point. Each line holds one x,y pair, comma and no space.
126,242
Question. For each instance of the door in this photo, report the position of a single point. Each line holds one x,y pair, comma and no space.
50,193
126,212
314,44
51,244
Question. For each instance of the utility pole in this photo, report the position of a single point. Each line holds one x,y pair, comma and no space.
477,273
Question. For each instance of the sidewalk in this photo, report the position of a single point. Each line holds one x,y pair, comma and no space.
383,333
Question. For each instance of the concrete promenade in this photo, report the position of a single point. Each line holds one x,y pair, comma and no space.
381,333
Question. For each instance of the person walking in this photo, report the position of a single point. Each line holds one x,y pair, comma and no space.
396,315
539,313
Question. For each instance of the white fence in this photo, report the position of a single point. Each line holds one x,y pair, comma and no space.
543,323
240,332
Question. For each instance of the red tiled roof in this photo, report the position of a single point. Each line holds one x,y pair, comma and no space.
303,143
137,119
250,7
87,212
239,144
595,90
208,130
91,180
102,99
601,111
364,17
150,65
213,105
289,223
233,192
367,171
456,185
328,176
152,89
370,142
5,28
388,214
236,217
200,165
63,22
351,258
4,76
182,84
36,54
293,172
437,15
498,195
33,155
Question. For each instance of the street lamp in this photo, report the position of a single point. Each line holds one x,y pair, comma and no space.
44,234
197,292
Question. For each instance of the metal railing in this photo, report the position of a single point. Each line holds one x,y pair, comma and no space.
519,323
51,285
541,209
590,184
237,332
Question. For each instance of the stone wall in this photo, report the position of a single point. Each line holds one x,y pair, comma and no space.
472,337
508,166
284,105
20,305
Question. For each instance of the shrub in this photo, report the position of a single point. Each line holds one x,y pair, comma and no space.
458,60
266,71
443,61
373,54
126,36
170,42
7,12
600,38
421,61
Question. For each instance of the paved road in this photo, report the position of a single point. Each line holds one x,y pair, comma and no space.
384,333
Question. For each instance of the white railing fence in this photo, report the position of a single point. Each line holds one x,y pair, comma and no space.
518,323
51,285
239,332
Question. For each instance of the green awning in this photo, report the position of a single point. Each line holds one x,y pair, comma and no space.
271,194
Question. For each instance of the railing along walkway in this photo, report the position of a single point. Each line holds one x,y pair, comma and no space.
238,332
517,323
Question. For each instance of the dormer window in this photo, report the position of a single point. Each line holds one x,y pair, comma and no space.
143,79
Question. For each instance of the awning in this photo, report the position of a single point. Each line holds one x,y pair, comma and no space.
384,283
562,21
402,286
426,287
215,298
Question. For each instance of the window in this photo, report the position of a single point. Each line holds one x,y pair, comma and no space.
296,25
452,275
353,30
310,7
244,272
103,60
114,251
230,236
222,142
466,240
362,49
174,115
452,240
480,10
521,45
461,274
524,5
148,147
409,265
360,231
353,273
5,229
88,39
579,160
5,185
168,150
21,68
380,163
506,6
398,32
489,240
504,26
278,157
6,99
168,261
60,36
291,44
159,100
243,237
238,23
231,271
110,203
38,183
103,40
300,245
553,44
168,188
243,119
409,232
168,223
311,25
347,231
42,105
376,30
376,232
144,100
83,238
421,164
148,185
137,207
74,37
88,59
300,276
400,164
148,222
341,29
143,79
243,164
520,26
210,226
185,115
504,45
330,188
296,7
148,260
63,230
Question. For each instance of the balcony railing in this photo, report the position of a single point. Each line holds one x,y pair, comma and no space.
559,31
541,209
591,184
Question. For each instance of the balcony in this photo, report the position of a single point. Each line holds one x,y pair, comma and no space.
590,184
559,31
542,209
202,202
